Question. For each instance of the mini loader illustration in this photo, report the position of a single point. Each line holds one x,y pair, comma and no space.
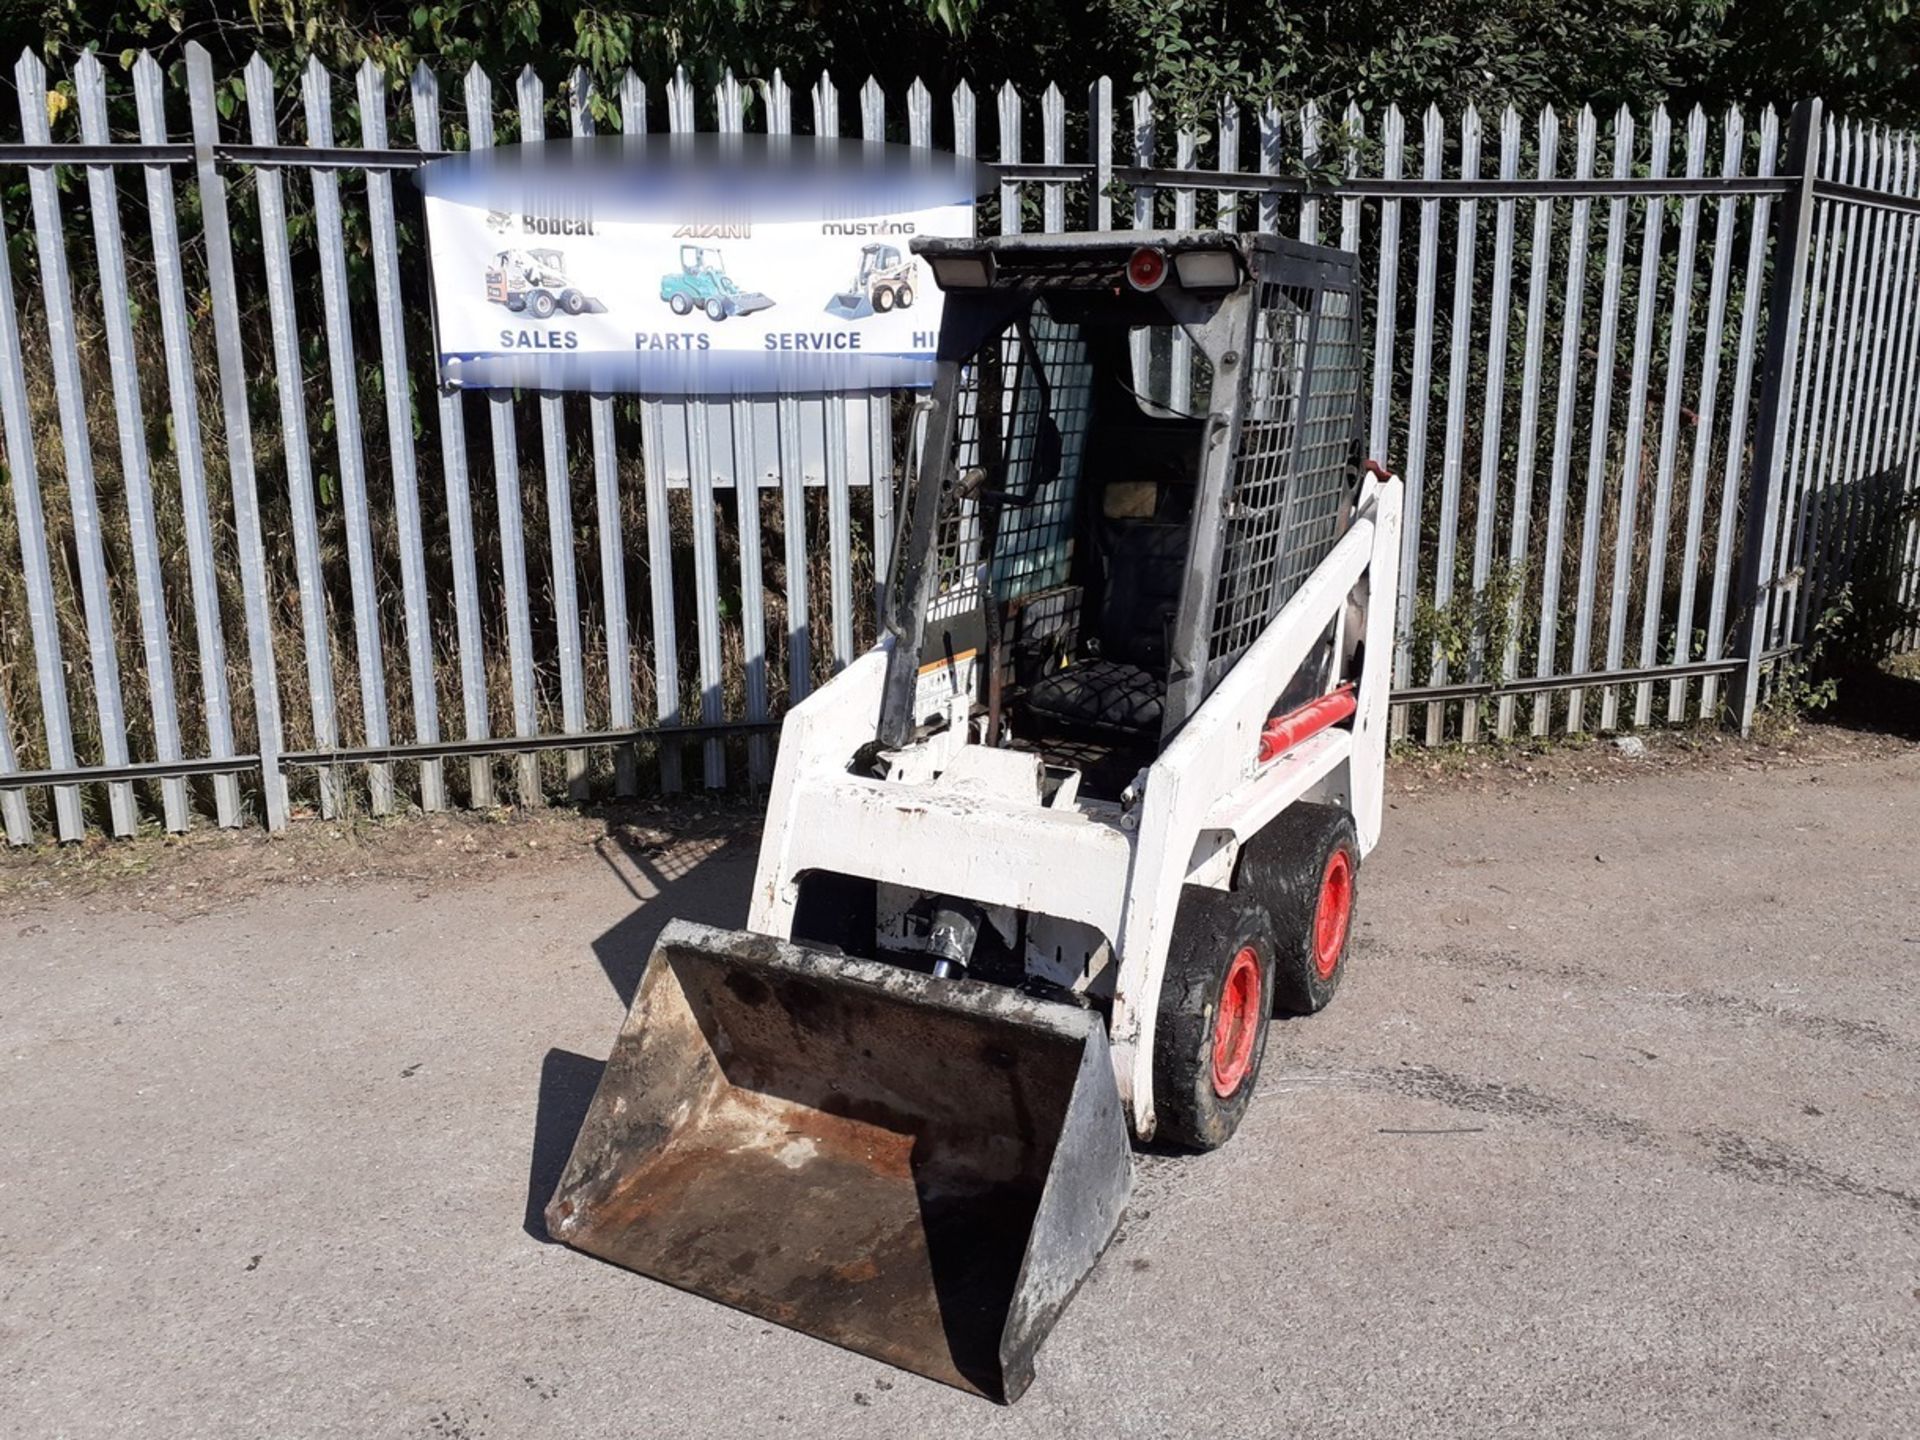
884,282
1037,868
703,284
533,281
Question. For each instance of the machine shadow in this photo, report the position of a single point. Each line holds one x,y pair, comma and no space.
567,1083
704,878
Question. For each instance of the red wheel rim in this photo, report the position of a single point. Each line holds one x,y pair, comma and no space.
1237,1023
1334,914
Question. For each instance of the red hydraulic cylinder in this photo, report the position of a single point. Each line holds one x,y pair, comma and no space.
1284,732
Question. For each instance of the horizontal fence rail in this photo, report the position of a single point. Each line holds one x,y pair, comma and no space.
1653,383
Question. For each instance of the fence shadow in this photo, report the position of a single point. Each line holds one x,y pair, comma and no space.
1857,534
1879,702
1859,605
705,879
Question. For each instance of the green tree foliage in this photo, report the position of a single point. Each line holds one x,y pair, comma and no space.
1860,55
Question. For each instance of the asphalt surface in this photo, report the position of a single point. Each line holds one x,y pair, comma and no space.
1613,1130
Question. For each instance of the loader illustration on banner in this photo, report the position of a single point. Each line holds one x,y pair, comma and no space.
702,283
534,281
885,281
1039,867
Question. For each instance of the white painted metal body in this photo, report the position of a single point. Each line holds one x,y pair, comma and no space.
955,818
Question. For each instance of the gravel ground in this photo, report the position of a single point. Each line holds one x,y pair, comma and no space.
1614,1129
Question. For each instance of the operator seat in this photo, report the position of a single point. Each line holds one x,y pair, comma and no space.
1117,686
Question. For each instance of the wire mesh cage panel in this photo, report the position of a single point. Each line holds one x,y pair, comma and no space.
1322,478
1025,395
1049,380
1292,473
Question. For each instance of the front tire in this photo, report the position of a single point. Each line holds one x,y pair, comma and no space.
1304,868
883,301
573,302
1211,1031
717,310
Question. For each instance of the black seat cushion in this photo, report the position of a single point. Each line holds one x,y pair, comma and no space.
1145,564
1121,689
1098,694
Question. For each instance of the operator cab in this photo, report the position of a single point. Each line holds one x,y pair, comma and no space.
876,257
1136,448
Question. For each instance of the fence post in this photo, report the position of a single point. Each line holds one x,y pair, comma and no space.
1792,230
14,819
224,292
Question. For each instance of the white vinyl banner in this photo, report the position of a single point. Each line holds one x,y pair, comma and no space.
589,286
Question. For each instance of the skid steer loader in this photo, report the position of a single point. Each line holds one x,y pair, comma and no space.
1038,868
884,282
534,281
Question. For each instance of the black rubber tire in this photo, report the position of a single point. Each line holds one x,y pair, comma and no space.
718,309
541,303
680,305
883,300
904,297
1211,928
1285,869
572,301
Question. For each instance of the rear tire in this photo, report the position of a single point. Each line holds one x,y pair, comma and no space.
1211,1031
904,298
680,305
541,303
1304,868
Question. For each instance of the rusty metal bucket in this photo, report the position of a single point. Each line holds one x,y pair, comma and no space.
921,1170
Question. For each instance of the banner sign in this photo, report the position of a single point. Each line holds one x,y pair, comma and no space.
690,264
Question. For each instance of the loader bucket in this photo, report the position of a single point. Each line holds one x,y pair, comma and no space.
850,305
921,1170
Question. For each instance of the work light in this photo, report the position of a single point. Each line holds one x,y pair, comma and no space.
961,272
1206,269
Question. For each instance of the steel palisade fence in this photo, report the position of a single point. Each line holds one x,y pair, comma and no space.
1650,413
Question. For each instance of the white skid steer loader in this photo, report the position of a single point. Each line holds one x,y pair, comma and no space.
1038,868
